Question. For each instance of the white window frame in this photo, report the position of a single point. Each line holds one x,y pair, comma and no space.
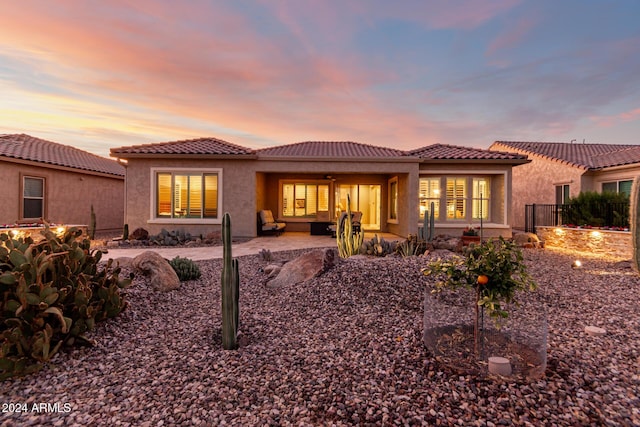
154,198
480,173
23,198
308,218
390,184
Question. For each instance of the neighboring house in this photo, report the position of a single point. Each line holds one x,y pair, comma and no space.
190,184
45,180
559,171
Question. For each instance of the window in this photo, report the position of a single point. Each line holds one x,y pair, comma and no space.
304,200
466,198
393,199
32,197
430,192
562,194
617,187
456,195
185,194
480,198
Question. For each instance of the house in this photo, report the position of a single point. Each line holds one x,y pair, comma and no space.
558,171
58,183
190,184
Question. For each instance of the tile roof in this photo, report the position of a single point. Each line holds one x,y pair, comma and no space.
588,156
330,149
204,146
454,152
25,147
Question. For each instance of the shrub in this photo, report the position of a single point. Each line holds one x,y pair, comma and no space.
412,246
265,255
185,268
598,209
52,293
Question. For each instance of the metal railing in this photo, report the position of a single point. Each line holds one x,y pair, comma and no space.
597,215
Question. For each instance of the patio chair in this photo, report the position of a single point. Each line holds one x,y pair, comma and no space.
267,224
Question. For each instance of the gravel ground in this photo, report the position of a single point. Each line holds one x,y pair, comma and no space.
342,349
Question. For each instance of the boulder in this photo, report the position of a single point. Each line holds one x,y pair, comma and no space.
527,240
139,234
305,267
162,276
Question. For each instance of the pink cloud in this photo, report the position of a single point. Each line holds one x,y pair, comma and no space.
511,37
613,120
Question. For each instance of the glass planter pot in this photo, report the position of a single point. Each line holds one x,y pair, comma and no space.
521,338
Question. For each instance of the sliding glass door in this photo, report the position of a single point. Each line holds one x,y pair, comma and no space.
365,198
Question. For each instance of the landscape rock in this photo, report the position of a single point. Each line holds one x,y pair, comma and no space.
305,267
139,234
162,276
527,240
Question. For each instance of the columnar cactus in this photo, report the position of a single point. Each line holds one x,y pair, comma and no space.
92,224
349,241
230,283
634,221
426,231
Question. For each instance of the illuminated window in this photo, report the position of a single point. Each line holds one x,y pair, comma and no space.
480,201
32,197
456,193
187,195
430,192
303,200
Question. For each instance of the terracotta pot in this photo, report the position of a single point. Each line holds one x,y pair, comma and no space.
469,239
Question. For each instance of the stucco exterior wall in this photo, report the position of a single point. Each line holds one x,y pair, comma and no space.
536,182
69,196
501,202
238,196
612,175
251,185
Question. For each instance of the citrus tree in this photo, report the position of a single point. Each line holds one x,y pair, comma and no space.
494,270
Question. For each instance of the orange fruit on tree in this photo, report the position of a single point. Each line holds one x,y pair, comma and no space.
482,279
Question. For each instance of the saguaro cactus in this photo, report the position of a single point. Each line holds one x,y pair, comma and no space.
634,221
230,283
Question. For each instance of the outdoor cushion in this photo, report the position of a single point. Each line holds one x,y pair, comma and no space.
269,223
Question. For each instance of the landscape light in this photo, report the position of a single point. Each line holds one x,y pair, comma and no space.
576,264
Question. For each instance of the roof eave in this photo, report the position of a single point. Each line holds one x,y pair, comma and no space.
476,161
62,168
183,156
402,159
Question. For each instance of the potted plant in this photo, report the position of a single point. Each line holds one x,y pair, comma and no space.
470,235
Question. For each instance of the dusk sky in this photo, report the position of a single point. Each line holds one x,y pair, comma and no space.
402,74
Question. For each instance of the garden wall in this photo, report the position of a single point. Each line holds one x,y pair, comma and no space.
612,244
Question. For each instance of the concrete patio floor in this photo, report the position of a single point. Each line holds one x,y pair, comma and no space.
285,242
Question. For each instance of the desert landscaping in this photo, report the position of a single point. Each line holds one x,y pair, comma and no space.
344,348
